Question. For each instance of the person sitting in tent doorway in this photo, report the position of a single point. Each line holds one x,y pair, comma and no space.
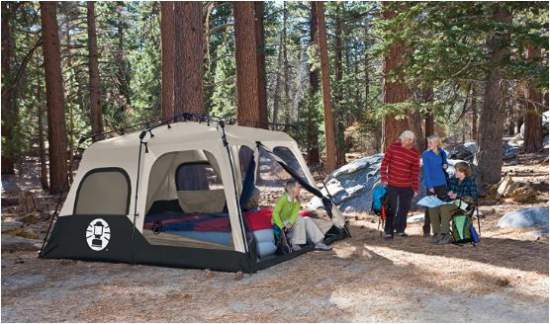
299,229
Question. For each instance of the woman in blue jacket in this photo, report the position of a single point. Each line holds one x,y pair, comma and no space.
434,177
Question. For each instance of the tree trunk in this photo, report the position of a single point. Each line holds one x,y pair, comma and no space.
276,95
427,97
250,66
93,69
393,92
415,120
260,60
330,141
8,102
532,137
188,95
41,148
286,101
366,60
341,147
493,112
123,75
312,133
474,104
54,85
168,41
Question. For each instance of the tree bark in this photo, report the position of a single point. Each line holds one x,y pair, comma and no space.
276,95
250,66
394,91
96,118
427,97
341,147
260,60
330,141
8,102
41,147
168,41
188,94
122,73
54,89
532,137
286,101
312,133
474,107
493,111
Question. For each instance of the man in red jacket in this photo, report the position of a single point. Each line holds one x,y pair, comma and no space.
400,172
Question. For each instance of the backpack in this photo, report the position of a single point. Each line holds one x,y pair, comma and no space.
463,230
379,204
378,199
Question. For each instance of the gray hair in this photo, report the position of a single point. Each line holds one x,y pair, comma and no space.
407,135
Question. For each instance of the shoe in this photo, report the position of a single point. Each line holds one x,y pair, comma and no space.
436,238
445,239
322,247
296,247
402,234
388,236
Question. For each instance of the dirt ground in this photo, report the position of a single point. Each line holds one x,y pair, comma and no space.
504,279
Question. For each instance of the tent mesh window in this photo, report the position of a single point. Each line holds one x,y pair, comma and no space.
190,182
272,177
110,186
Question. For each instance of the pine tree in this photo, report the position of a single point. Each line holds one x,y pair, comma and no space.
57,136
251,109
96,118
168,42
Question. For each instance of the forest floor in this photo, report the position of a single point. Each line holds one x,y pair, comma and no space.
504,279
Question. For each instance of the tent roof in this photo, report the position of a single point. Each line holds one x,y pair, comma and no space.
189,131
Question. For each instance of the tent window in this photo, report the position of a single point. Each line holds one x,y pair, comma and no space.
290,159
104,191
197,176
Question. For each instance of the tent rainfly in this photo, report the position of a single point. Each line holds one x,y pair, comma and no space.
177,195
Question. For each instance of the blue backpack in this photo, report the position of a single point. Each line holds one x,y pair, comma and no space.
378,197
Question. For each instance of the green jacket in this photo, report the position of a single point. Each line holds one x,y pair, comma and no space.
285,212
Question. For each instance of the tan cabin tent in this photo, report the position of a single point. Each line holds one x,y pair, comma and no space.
177,194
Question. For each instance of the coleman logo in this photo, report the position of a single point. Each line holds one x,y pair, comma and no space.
98,234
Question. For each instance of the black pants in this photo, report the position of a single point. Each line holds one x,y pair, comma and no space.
399,205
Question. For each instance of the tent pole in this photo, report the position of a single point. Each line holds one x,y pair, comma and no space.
221,123
141,143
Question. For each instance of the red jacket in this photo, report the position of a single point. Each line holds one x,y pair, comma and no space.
401,167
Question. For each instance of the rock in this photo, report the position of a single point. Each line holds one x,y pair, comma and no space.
465,152
526,217
16,243
351,185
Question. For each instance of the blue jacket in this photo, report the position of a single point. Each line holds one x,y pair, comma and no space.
433,174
